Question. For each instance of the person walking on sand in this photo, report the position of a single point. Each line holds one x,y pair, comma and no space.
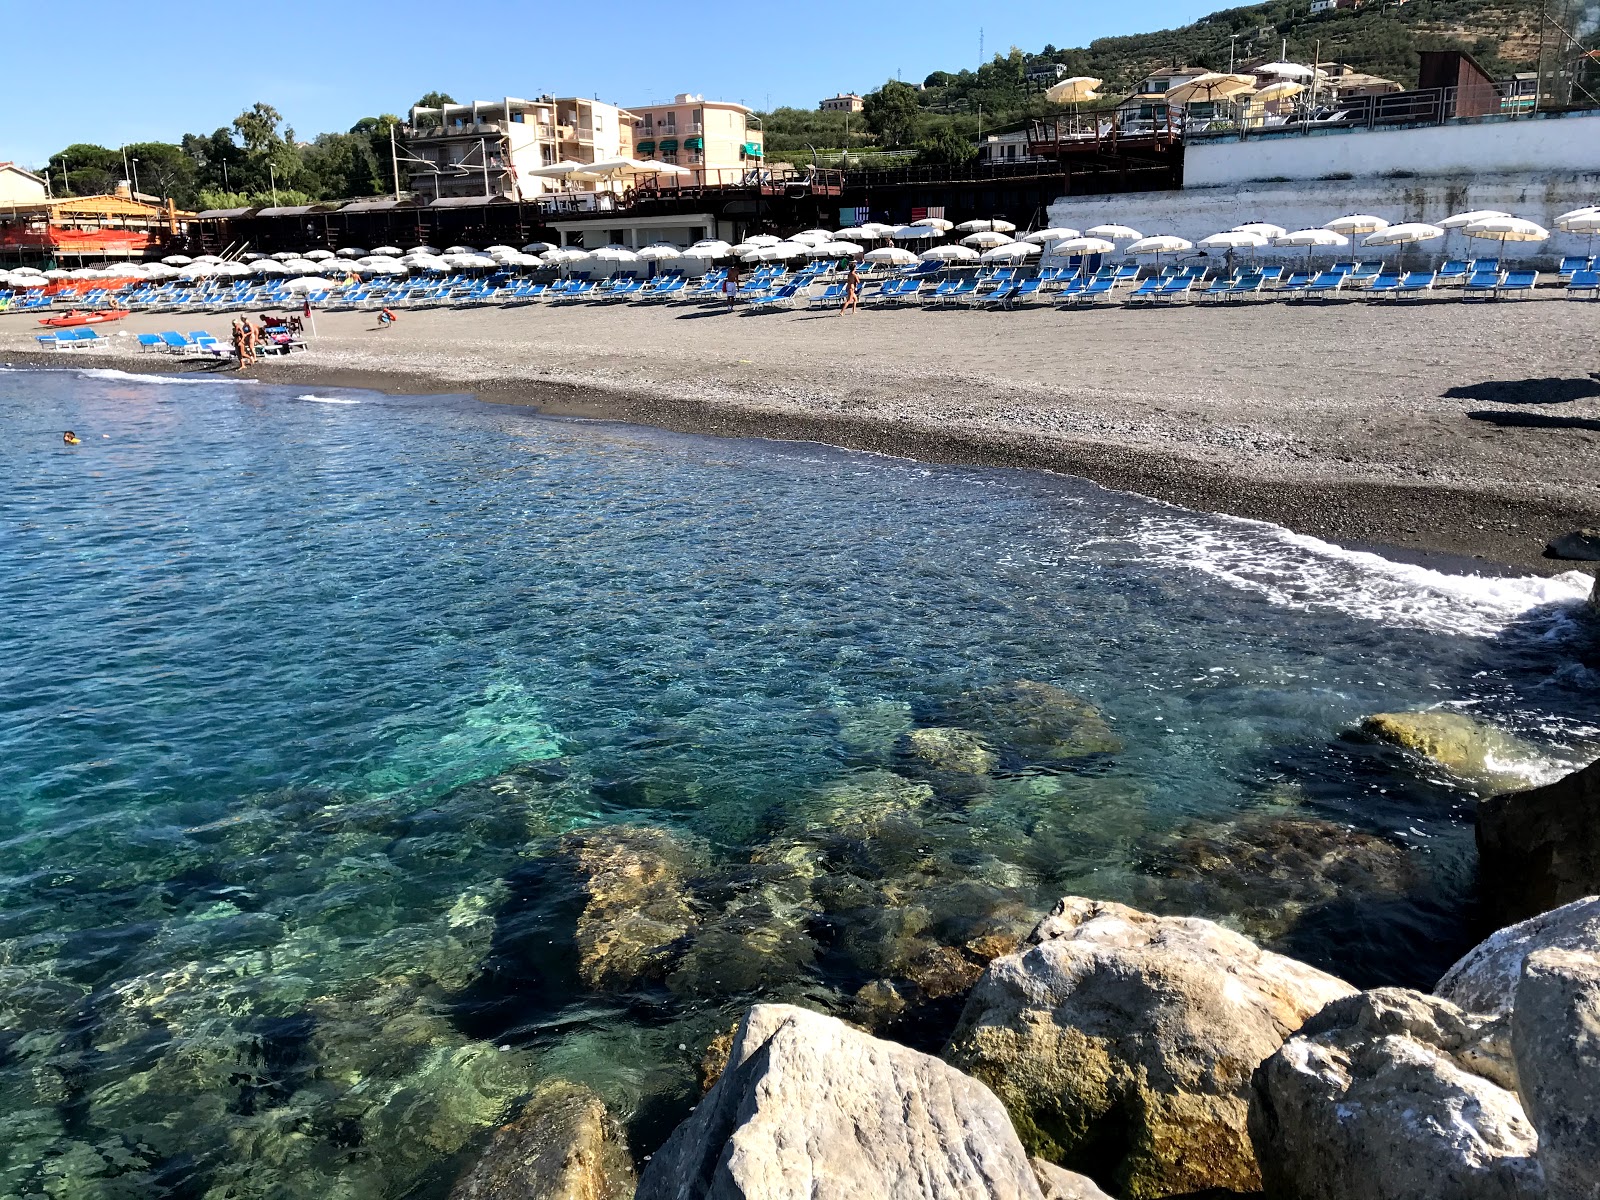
730,286
238,344
852,290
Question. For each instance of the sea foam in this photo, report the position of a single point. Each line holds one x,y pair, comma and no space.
1297,571
327,399
111,374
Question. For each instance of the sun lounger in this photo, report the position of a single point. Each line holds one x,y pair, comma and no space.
1324,284
999,297
1298,281
1485,264
1176,288
1584,285
784,295
1519,283
1386,284
1248,284
1481,285
828,297
1453,271
1414,283
1095,291
1573,263
1146,292
149,341
1218,287
1022,293
964,288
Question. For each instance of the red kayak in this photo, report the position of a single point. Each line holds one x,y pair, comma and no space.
99,317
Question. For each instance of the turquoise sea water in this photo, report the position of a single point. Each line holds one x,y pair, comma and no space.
321,715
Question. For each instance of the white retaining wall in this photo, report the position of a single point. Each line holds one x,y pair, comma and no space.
1195,213
1556,143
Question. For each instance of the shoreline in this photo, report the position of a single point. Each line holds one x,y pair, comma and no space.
1471,530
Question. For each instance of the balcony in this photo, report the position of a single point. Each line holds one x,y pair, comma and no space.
473,129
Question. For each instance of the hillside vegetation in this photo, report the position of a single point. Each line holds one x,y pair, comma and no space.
1380,38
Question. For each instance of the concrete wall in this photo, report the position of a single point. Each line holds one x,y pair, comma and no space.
1195,213
1496,147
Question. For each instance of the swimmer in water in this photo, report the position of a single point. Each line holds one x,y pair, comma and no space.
71,438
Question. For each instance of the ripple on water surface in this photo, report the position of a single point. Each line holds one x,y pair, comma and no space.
366,761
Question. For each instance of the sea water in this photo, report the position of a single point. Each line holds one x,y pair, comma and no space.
344,735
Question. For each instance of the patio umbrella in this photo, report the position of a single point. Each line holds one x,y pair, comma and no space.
710,248
1231,240
1084,245
913,233
1586,211
1583,223
1462,220
1210,87
286,255
209,258
761,239
1264,228
351,252
877,229
1283,89
949,254
305,283
1043,237
986,239
1506,229
565,255
300,266
1289,70
783,251
660,252
322,255
530,248
837,249
854,231
270,267
1076,90
981,226
1159,244
938,223
1311,239
459,250
811,237
1405,234
894,256
433,250
656,167
1357,223
1115,233
1011,252
177,260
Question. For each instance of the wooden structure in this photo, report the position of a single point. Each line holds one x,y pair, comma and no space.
80,228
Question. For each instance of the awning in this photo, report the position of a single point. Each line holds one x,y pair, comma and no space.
220,214
694,143
667,145
468,201
752,150
644,147
382,202
295,210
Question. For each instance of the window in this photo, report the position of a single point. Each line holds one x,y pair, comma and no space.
672,119
616,237
599,122
517,117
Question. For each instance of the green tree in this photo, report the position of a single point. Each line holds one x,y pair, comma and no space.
892,112
90,170
433,100
164,170
945,145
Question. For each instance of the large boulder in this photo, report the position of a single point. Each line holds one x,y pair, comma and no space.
1123,1043
1474,752
811,1109
1541,848
1387,1096
1485,979
1034,723
1582,545
563,1146
1555,1035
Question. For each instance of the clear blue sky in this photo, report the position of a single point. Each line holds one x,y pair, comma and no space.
154,70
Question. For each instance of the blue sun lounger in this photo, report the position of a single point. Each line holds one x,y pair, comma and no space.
1481,285
1453,271
1145,293
1324,284
1414,283
784,295
1584,285
1519,284
1248,284
1385,285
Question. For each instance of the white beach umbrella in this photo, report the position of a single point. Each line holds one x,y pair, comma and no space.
1160,243
177,260
1115,233
782,251
459,250
1587,210
1588,223
857,231
530,248
709,248
982,226
1264,228
1011,252
761,239
210,258
878,229
1289,70
388,251
949,254
894,256
301,266
250,256
433,250
986,239
837,249
496,249
660,252
1506,229
811,237
614,254
338,268
305,283
1042,237
1404,234
1233,239
269,266
1085,245
286,255
351,252
913,233
938,223
746,248
1462,220
654,166
1311,237
1357,223
565,256
1282,89
1076,90
320,255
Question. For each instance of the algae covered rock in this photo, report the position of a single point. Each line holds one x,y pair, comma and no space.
1466,748
1393,1095
810,1108
1539,849
562,1146
638,908
867,798
948,751
1123,1043
1038,723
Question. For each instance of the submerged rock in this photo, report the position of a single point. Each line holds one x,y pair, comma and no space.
1555,1035
867,799
1486,977
809,1108
948,751
1469,749
1038,723
1123,1043
563,1146
1387,1095
638,906
1541,848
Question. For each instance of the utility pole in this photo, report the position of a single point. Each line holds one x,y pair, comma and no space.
1233,42
980,45
483,149
272,176
135,179
394,161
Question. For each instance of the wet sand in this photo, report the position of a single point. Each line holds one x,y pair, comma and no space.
1464,430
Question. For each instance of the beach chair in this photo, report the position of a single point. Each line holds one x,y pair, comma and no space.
1022,293
1095,291
1297,282
1385,285
1248,284
1519,284
1176,288
1485,264
829,297
1414,283
148,342
1573,263
1481,285
784,295
963,290
998,297
1146,292
49,341
1584,285
1324,284
1370,272
1218,288
175,342
1453,271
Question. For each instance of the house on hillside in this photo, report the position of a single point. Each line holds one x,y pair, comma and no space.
1005,147
1046,73
845,102
1147,107
20,186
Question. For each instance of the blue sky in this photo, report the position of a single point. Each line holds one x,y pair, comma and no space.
160,68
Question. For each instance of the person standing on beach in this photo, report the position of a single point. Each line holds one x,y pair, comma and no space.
241,350
730,285
852,291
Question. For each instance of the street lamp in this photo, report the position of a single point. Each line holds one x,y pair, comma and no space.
136,179
272,176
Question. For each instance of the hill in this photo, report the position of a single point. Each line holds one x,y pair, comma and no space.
1381,38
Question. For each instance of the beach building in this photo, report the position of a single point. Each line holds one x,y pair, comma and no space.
493,148
1005,147
846,102
713,139
1147,107
77,230
20,186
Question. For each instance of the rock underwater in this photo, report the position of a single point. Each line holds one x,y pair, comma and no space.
1123,1043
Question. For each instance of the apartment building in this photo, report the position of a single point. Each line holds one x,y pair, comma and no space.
714,139
492,147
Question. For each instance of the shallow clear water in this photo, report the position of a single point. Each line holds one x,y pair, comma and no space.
318,715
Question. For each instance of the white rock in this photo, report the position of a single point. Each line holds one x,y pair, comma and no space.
1485,980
